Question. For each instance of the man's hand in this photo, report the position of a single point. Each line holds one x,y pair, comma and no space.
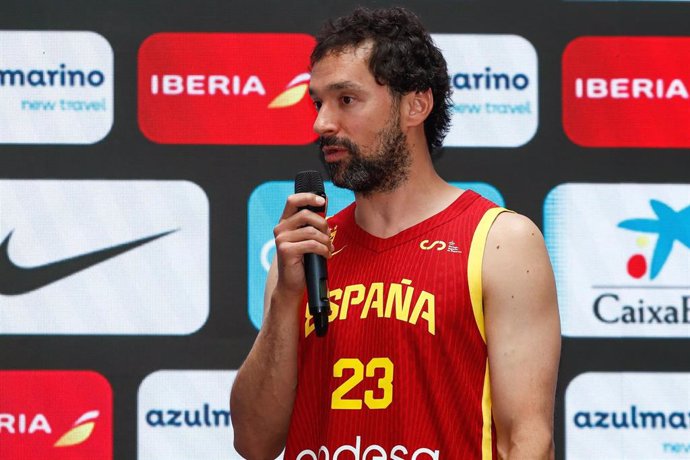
299,232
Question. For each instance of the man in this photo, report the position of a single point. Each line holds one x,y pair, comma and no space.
444,334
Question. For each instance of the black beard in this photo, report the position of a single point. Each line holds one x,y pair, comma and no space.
382,171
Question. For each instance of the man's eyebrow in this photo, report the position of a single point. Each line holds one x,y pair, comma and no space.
338,86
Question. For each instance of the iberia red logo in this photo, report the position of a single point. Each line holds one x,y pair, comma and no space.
217,88
627,91
57,415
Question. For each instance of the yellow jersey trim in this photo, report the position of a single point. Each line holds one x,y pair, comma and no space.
487,453
474,266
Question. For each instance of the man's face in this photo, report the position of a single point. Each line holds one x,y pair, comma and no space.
358,122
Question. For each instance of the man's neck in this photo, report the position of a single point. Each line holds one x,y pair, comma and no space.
421,196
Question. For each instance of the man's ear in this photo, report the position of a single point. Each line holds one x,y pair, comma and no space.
417,105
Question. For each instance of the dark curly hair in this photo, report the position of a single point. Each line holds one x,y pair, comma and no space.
403,56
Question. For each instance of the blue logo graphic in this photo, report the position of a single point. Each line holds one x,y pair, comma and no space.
669,225
264,209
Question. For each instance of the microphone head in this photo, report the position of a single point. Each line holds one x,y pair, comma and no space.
309,182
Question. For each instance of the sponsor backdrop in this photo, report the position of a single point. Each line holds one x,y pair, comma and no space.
146,149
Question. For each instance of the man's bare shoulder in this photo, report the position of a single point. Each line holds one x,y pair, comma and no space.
514,227
515,253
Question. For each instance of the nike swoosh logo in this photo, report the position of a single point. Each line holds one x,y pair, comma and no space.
20,280
338,251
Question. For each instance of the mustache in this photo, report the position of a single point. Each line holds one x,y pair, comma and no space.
327,141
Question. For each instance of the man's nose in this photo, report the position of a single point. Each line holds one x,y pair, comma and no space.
325,123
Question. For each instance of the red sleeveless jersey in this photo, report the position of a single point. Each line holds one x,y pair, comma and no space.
402,372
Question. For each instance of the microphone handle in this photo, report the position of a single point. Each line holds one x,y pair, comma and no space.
317,284
317,291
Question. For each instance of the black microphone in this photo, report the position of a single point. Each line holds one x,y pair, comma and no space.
314,264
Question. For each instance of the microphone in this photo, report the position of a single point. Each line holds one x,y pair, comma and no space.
314,264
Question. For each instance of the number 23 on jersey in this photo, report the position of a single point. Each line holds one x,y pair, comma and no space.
381,400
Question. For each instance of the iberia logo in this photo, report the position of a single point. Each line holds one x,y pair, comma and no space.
294,92
216,88
35,424
80,431
669,226
627,91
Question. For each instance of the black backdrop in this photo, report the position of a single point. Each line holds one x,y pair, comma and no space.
228,174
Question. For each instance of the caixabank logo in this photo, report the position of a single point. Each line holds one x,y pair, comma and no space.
627,91
55,87
219,88
103,257
184,415
621,255
57,415
264,209
627,416
494,80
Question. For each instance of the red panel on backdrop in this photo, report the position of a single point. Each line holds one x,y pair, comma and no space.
217,88
57,415
627,91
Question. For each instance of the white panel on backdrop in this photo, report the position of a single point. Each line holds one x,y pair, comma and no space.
184,415
495,89
621,256
57,87
103,257
628,416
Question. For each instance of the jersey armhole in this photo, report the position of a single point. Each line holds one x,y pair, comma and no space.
474,265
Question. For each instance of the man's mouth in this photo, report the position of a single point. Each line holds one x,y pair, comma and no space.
332,153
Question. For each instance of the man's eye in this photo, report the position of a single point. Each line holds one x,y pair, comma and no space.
347,100
317,105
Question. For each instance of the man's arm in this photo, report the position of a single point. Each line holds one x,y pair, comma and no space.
263,394
523,337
